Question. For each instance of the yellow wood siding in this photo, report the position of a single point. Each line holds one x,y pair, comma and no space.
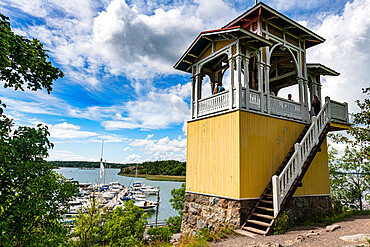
212,156
236,154
265,141
316,181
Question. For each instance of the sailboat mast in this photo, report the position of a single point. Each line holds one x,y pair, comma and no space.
101,163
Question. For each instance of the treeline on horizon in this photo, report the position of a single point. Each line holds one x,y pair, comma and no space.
87,164
161,167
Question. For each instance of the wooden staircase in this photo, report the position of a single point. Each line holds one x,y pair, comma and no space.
261,216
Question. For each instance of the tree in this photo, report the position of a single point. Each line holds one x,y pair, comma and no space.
351,173
30,191
177,203
24,61
123,226
350,176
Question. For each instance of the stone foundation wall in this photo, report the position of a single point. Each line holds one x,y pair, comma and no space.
304,206
202,211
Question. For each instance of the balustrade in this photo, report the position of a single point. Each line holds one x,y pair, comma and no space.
282,183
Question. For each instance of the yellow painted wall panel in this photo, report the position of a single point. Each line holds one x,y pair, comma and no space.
265,141
316,181
212,156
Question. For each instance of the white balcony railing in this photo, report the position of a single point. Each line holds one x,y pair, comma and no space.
285,108
212,104
278,106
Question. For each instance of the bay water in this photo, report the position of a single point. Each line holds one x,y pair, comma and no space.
111,175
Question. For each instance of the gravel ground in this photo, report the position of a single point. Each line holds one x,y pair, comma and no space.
318,236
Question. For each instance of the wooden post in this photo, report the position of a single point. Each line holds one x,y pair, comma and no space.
239,82
276,194
246,81
267,87
157,208
231,89
260,86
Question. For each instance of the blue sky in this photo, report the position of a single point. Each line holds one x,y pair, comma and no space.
117,57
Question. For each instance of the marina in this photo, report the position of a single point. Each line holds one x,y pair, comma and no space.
144,191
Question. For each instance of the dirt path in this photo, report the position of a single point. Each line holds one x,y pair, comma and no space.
318,236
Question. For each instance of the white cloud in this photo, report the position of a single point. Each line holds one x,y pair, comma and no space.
126,149
345,50
60,155
155,110
133,158
163,148
68,131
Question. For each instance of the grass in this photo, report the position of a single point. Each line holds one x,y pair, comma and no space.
158,177
330,218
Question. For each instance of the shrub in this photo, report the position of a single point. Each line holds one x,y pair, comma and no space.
160,234
174,222
282,223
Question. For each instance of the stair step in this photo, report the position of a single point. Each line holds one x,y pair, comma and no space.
268,195
263,216
251,229
264,208
256,222
264,201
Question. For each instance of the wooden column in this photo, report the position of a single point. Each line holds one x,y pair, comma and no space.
231,90
192,97
267,87
239,82
260,86
301,97
246,81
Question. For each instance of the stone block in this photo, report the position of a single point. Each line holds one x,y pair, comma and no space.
201,223
192,220
224,203
214,201
233,204
195,209
201,199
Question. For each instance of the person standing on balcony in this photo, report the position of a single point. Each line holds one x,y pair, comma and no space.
290,97
219,88
316,105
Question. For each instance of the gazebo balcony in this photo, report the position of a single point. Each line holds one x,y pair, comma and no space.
269,105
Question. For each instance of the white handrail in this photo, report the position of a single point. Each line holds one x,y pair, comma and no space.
282,183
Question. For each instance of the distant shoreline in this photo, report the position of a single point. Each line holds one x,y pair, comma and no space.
157,177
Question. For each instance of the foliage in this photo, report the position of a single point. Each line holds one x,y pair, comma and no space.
329,217
160,167
88,226
178,198
350,174
24,61
282,223
123,226
160,234
220,232
192,241
202,237
174,222
29,189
